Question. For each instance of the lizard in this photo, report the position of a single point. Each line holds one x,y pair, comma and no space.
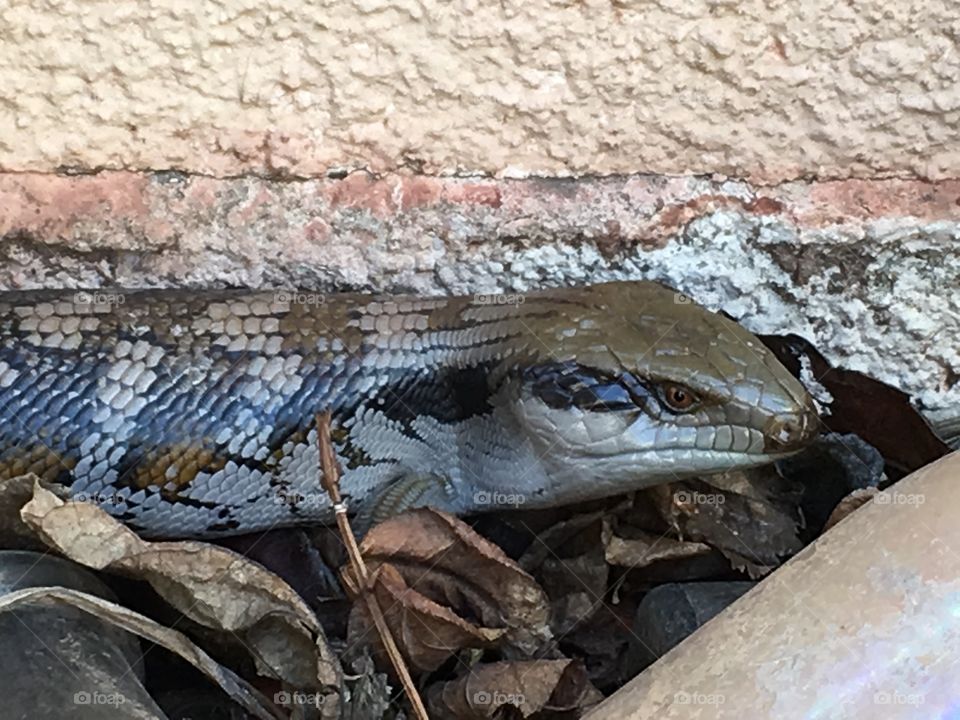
189,413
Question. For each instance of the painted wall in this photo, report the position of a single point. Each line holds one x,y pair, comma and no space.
760,89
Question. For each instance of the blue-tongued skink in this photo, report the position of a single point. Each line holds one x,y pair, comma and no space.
192,413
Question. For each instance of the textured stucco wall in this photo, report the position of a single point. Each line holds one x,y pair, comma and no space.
760,89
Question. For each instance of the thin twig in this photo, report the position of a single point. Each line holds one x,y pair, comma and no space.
330,478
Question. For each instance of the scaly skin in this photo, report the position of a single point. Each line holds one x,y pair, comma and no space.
192,413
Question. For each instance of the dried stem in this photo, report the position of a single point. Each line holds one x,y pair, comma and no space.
330,478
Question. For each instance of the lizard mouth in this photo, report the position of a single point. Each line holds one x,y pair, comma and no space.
783,435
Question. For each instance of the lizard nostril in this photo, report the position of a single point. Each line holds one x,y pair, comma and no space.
785,433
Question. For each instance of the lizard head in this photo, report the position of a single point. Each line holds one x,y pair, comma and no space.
634,385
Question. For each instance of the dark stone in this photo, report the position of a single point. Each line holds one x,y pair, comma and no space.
57,661
829,470
669,613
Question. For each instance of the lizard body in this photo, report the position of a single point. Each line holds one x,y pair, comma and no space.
189,413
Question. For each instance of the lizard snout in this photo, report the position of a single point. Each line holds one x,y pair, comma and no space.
791,431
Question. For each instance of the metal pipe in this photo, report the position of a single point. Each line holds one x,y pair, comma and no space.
862,624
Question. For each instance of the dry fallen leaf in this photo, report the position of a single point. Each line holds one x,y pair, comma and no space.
642,548
427,633
548,688
211,585
743,514
370,692
575,587
582,531
879,413
238,689
14,494
432,571
851,502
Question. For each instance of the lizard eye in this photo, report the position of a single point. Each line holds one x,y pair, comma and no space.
679,398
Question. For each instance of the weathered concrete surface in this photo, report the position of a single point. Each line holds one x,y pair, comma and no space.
761,89
867,270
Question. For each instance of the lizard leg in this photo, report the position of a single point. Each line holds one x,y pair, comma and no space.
407,491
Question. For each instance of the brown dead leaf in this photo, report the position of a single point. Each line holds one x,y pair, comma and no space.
879,413
211,585
605,642
427,633
743,514
575,587
548,688
568,537
642,548
851,502
445,561
14,493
